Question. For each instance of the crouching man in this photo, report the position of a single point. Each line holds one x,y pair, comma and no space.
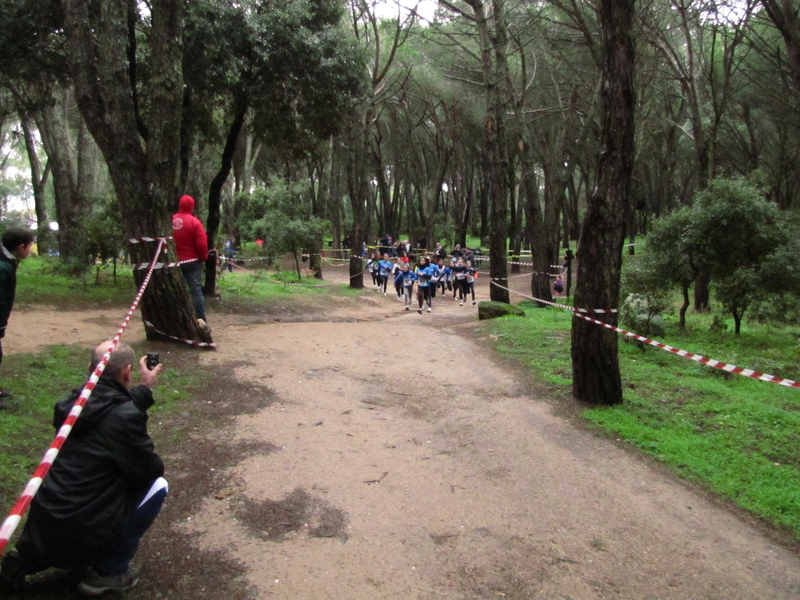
104,489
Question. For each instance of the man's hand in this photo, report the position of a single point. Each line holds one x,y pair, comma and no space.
146,376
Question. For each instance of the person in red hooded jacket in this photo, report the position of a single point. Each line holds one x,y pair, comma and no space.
191,243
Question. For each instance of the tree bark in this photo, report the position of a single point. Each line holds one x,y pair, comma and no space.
684,306
701,290
595,363
53,123
145,173
215,193
38,179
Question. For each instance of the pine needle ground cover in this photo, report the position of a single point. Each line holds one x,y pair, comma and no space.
737,436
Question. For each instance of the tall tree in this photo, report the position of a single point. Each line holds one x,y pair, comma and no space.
141,147
595,364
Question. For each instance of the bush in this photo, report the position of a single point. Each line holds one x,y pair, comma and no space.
642,316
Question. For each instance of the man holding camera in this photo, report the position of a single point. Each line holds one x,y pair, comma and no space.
104,489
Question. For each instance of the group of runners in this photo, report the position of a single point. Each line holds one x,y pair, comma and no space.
429,275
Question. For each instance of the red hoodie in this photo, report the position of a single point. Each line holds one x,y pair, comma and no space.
190,236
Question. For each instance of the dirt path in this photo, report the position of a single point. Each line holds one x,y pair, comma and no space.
408,464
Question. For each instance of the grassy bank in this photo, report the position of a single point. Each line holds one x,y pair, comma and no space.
737,436
39,282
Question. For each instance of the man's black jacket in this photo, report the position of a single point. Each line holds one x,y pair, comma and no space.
91,491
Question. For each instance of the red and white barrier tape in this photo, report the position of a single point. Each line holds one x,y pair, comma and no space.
141,240
14,517
557,305
698,358
690,355
172,337
141,266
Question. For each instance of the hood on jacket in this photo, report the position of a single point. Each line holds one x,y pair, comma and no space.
186,204
106,395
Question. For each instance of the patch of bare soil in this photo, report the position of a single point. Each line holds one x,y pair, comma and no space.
377,453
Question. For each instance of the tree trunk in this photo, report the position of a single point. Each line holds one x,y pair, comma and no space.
38,179
595,363
540,281
684,306
52,121
144,172
357,190
494,69
215,193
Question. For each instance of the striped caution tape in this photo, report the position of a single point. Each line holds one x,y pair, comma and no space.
698,358
557,305
172,337
580,313
142,240
141,266
24,501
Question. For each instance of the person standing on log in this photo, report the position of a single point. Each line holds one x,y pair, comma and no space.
191,244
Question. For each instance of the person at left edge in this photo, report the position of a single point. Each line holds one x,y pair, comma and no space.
191,244
104,489
17,245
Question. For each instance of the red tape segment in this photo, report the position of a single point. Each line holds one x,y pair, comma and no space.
141,266
562,306
172,337
690,355
141,240
698,358
15,516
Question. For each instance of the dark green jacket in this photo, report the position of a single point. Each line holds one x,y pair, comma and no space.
8,285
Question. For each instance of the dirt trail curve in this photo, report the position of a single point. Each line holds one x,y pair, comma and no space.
409,465
429,472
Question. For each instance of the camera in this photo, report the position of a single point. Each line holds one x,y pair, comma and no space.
152,360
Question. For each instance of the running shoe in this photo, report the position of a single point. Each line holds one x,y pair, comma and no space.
429,309
461,303
473,303
408,308
419,310
96,585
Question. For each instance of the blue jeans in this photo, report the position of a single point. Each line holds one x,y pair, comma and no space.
149,504
193,277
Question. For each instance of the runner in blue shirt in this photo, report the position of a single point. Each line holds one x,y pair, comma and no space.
385,269
406,278
423,271
436,275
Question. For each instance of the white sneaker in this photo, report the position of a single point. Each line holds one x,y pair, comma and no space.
203,326
384,293
429,309
461,303
419,310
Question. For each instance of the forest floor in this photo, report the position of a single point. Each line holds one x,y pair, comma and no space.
346,449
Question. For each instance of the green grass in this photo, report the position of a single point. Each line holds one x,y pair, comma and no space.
737,436
264,284
39,282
